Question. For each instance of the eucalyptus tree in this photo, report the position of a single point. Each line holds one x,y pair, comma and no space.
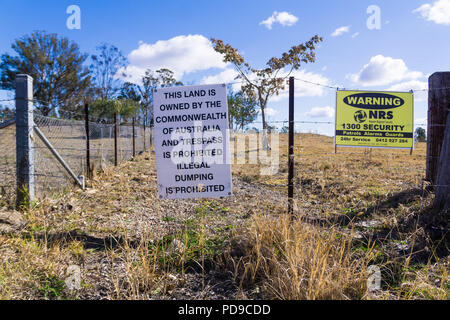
143,93
60,79
242,110
107,71
267,82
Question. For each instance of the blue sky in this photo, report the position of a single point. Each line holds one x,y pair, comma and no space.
410,44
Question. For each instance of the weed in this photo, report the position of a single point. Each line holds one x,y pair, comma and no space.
52,288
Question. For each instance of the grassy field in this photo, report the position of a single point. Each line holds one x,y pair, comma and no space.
353,209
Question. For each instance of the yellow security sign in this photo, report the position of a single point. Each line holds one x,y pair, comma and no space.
374,119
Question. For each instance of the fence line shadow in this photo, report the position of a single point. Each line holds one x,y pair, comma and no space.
88,241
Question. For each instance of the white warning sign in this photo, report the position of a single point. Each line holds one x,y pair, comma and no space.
192,142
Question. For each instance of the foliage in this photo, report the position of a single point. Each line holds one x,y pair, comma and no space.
266,82
105,67
130,91
242,110
6,113
161,78
144,93
105,109
420,135
56,66
52,287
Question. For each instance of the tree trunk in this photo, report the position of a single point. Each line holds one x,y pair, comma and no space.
265,139
263,116
45,111
442,200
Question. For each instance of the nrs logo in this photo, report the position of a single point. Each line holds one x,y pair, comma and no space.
360,116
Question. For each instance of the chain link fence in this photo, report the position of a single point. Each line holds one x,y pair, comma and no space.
68,138
7,165
101,138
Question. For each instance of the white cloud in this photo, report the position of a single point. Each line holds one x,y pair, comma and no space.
226,76
340,31
409,85
181,54
321,112
284,18
383,70
355,34
438,12
414,85
270,112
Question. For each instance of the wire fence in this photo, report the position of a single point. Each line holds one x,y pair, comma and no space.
68,138
7,165
314,148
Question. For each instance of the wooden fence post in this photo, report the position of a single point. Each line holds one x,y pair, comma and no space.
438,105
24,140
144,134
115,139
134,137
151,136
88,147
291,148
442,199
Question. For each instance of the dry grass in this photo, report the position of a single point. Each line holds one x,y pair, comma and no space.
354,209
295,260
31,269
357,207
